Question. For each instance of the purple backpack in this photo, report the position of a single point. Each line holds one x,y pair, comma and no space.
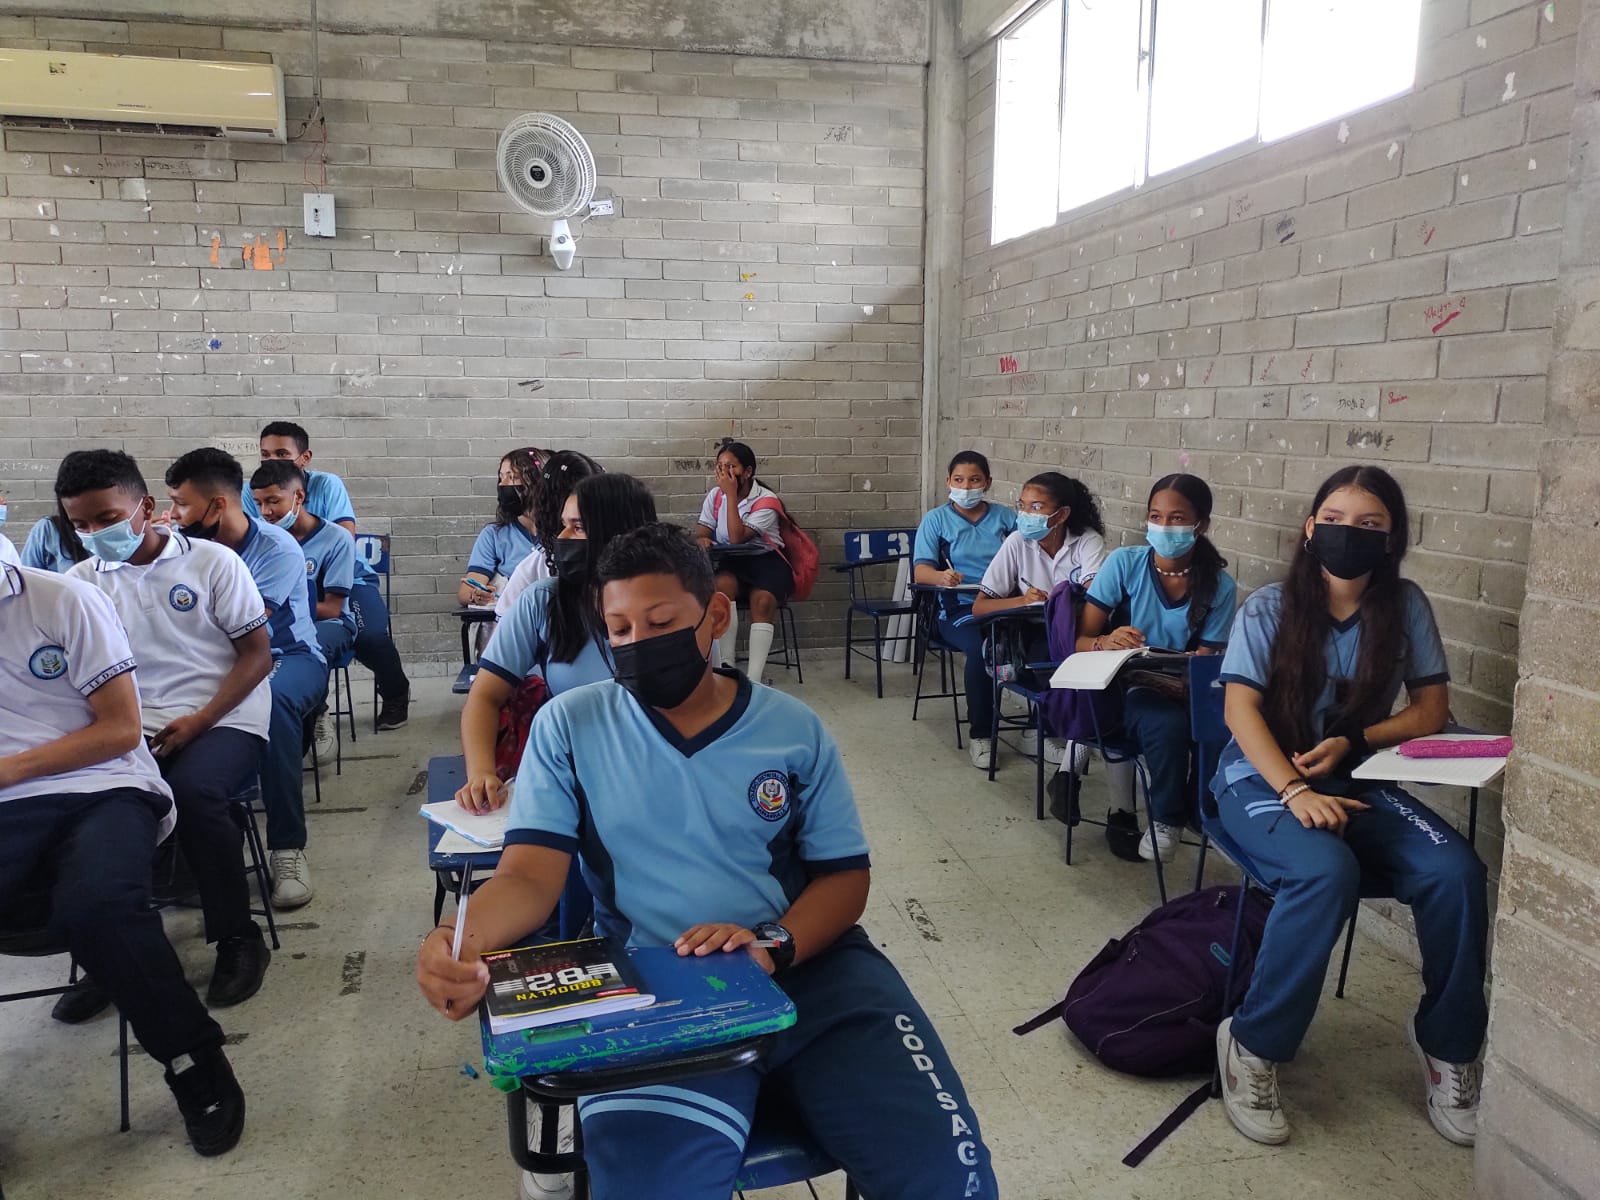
1067,712
1150,1002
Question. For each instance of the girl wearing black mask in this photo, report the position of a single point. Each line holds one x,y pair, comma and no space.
1312,671
510,537
562,472
553,629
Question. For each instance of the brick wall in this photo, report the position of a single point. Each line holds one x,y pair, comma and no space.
1379,289
761,276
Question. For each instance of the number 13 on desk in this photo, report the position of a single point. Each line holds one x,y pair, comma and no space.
877,543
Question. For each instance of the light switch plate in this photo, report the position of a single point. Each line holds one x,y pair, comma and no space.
602,208
319,214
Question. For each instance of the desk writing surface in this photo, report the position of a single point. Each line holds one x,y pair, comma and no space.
742,550
1391,765
446,774
700,1002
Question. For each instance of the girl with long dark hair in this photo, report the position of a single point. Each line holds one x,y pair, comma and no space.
1312,671
509,538
562,472
53,544
1172,593
740,510
1059,537
554,628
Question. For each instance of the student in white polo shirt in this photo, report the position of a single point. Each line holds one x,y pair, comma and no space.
83,805
204,655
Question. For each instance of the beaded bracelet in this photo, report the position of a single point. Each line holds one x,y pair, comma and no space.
1292,790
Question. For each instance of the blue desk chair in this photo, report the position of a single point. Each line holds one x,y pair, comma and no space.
470,618
1005,658
342,709
787,654
373,549
929,639
878,608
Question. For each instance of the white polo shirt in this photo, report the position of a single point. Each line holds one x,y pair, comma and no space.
62,640
1022,564
8,553
182,613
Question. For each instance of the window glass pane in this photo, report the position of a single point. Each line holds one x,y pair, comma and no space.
1325,58
1102,130
1207,79
1027,104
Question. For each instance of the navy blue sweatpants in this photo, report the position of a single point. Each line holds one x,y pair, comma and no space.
1398,848
862,1066
299,685
375,648
980,688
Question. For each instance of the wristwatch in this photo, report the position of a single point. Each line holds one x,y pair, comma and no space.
783,952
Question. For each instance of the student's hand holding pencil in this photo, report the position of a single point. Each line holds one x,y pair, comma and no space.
452,988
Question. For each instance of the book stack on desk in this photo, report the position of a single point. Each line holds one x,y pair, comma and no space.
560,982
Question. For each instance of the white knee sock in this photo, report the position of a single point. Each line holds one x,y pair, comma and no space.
730,638
1121,780
760,644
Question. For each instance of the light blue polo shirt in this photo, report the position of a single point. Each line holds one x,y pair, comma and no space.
279,568
1249,661
946,539
43,550
330,554
328,498
520,646
1128,587
499,549
730,825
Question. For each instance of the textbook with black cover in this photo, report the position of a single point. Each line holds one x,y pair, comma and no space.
531,986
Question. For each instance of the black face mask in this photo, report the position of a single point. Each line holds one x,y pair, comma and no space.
572,556
199,529
661,672
1348,551
508,497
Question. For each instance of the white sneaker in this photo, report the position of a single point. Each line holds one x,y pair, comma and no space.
1452,1093
1250,1091
548,1187
324,738
1077,753
1165,841
1055,750
981,752
291,879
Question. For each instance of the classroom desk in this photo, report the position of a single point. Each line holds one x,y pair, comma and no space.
1391,766
471,617
446,774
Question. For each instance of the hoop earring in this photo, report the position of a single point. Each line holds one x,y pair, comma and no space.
1307,544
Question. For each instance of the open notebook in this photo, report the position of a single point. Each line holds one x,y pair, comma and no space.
1093,670
487,831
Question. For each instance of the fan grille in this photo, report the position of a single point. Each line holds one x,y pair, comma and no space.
545,166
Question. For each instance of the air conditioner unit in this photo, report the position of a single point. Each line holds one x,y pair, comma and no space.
52,89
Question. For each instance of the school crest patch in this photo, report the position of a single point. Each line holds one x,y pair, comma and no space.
48,662
769,795
311,567
181,598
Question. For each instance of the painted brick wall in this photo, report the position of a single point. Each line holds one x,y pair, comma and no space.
762,276
1378,289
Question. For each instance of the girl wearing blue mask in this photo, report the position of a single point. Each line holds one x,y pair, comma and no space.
1174,594
955,544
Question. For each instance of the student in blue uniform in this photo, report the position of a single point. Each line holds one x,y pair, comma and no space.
279,490
709,812
206,488
955,544
52,545
327,498
81,798
553,630
1312,672
502,544
1172,593
562,472
203,655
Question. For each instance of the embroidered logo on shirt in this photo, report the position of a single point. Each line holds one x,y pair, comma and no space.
769,795
48,662
181,598
311,567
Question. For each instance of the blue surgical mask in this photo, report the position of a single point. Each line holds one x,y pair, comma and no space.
3,514
288,519
1170,541
966,497
1034,526
115,543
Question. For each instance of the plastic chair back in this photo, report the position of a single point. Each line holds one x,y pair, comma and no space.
1208,727
373,549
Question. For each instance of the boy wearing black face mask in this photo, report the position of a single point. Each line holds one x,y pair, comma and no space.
691,793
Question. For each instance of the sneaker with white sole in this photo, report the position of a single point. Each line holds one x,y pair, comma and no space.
291,879
538,1186
1452,1093
981,752
1162,838
324,738
1250,1091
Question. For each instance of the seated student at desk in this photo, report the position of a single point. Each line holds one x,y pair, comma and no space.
1173,594
52,545
203,651
279,489
955,544
553,630
738,510
80,795
1312,672
562,472
511,536
1059,538
206,489
710,811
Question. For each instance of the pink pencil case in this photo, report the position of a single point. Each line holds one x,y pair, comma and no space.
1498,747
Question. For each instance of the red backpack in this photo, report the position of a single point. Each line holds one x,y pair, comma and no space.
799,551
516,719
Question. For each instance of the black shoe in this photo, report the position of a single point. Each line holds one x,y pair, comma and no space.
210,1100
1122,834
394,711
1063,794
83,1001
241,964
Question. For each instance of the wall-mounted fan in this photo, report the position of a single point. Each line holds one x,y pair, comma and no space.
548,169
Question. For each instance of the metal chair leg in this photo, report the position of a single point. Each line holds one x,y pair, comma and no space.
1349,945
849,638
791,633
258,867
122,1053
1038,763
1200,869
877,650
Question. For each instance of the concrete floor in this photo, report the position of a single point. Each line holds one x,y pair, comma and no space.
359,1093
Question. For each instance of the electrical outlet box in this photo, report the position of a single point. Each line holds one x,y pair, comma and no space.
602,208
319,214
